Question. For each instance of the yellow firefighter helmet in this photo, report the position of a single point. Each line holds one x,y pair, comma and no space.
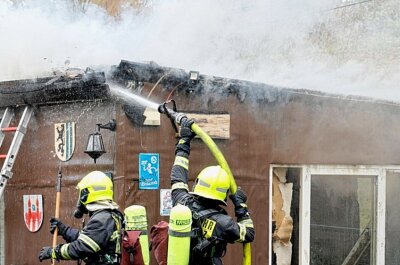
95,186
213,183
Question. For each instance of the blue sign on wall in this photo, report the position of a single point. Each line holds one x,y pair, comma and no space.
149,171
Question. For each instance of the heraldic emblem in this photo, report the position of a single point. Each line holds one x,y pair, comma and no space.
64,140
33,212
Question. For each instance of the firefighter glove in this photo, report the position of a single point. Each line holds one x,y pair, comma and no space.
187,135
186,129
239,199
46,253
56,223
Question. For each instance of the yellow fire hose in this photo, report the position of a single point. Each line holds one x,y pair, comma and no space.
222,162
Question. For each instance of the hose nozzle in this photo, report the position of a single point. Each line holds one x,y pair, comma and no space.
161,109
172,114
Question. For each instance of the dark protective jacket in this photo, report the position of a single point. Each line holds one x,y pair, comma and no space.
217,228
98,243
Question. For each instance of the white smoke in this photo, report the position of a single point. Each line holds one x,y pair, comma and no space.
293,43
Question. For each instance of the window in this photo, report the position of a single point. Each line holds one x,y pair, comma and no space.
342,219
337,213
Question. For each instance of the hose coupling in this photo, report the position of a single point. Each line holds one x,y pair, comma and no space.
179,117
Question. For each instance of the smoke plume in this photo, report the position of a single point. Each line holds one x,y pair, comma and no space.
349,47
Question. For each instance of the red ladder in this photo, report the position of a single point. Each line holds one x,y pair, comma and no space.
19,133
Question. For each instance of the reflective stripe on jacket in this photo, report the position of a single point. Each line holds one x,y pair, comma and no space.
219,227
99,241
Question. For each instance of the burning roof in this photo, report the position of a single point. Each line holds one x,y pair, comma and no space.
79,85
74,85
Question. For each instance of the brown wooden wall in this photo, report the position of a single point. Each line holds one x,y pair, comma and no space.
279,127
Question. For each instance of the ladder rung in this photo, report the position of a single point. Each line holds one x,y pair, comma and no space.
3,156
9,129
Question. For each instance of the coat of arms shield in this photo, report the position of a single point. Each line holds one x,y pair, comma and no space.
33,212
64,140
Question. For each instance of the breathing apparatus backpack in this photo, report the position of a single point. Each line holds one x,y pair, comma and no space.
172,242
131,249
135,250
205,245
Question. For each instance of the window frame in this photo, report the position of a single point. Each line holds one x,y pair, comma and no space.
379,174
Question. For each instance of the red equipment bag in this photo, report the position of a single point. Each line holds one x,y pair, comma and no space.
159,242
131,252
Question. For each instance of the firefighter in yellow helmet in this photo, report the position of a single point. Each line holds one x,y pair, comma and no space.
215,228
99,241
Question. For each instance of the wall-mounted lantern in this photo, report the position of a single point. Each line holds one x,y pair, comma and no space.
95,146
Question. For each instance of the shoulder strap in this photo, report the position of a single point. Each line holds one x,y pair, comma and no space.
198,211
205,213
198,216
117,234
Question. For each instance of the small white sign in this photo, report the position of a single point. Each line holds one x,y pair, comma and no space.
165,202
